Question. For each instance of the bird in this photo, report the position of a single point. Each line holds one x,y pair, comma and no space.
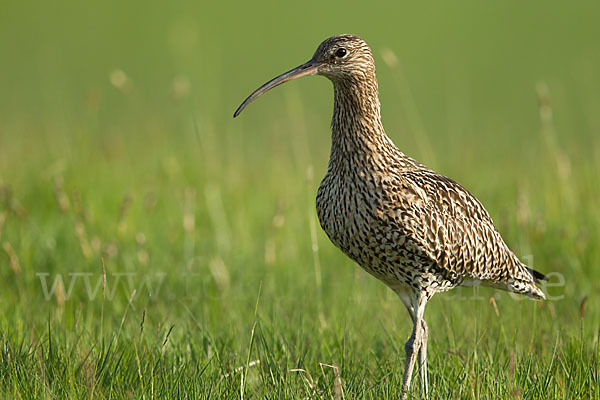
417,231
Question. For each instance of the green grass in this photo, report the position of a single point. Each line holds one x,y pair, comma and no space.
148,184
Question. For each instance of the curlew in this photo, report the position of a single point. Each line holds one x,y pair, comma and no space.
416,230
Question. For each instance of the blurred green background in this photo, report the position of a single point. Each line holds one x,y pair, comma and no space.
117,142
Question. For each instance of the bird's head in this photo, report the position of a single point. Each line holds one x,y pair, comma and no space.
339,58
344,57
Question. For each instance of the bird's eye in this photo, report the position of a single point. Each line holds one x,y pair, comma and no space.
341,52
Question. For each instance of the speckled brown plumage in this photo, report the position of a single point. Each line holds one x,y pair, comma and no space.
417,231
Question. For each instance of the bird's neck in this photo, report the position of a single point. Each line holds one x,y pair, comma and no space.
356,125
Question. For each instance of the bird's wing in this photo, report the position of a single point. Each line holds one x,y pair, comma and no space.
454,230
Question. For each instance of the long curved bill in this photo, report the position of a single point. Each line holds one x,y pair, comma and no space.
308,68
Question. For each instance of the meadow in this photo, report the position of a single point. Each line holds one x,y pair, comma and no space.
154,247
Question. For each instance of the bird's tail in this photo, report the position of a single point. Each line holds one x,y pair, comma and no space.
526,283
522,280
537,275
525,287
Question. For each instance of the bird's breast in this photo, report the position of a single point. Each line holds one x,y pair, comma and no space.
349,207
364,216
342,211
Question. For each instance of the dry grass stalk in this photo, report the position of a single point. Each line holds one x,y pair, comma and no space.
2,221
61,197
220,273
120,80
582,306
338,390
142,254
276,224
217,214
123,212
12,256
240,369
84,243
189,214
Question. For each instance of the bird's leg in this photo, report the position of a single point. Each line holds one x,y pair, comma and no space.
423,360
409,348
413,344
